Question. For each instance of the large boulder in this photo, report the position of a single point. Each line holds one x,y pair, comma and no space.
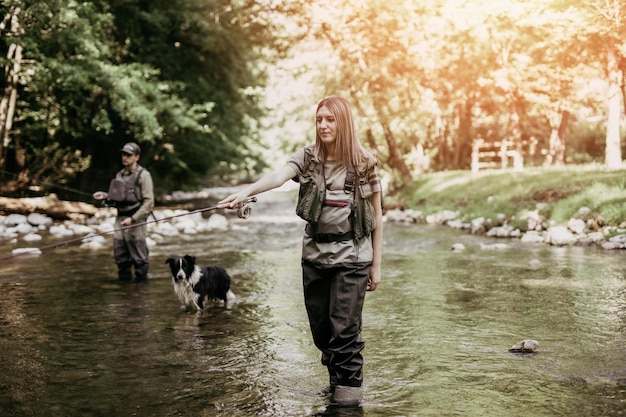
560,236
577,226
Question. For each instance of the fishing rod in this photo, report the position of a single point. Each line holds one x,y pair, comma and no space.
243,212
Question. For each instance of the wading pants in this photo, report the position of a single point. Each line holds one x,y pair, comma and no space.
130,249
334,298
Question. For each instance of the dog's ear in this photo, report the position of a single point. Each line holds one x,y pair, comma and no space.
169,261
190,258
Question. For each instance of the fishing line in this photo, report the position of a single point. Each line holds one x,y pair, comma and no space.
243,211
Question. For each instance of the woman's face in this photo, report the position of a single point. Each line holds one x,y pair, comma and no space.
326,126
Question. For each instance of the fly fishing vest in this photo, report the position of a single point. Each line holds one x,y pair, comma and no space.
349,212
125,192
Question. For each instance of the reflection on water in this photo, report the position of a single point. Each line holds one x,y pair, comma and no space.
74,341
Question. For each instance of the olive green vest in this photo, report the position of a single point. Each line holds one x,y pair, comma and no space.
313,191
131,199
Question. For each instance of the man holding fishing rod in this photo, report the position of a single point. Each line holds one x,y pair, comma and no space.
131,192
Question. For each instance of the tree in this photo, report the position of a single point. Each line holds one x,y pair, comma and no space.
187,79
371,66
609,17
601,30
182,78
67,82
22,152
12,27
442,76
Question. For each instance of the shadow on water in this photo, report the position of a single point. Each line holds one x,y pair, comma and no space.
74,341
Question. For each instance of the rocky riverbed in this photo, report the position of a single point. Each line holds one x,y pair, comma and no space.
532,227
26,231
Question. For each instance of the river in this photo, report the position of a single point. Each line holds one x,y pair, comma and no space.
76,342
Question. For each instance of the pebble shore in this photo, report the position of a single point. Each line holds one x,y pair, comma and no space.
23,232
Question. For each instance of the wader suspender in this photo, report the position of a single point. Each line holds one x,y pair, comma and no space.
139,197
348,186
137,183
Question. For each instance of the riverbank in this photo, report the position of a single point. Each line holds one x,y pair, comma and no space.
186,214
574,205
581,204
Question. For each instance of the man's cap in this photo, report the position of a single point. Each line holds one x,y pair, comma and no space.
131,148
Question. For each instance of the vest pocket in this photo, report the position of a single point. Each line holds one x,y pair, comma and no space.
365,219
336,213
310,199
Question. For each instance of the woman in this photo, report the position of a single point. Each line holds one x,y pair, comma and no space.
340,198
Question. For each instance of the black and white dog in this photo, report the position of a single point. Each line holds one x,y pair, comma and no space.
194,285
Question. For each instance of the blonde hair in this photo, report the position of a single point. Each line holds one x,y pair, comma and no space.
349,150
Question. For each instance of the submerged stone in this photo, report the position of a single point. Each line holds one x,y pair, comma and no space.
525,346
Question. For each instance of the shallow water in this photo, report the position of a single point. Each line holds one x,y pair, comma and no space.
74,341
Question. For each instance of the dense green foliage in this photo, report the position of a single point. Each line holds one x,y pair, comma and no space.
215,90
181,78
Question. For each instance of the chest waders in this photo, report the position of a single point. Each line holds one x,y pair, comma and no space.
334,294
130,248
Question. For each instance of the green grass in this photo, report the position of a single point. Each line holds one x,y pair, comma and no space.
557,193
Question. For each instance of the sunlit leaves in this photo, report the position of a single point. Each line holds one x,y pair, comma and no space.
442,73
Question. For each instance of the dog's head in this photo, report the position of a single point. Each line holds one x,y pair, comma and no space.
182,268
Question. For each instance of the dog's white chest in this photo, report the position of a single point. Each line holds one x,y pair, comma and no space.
185,293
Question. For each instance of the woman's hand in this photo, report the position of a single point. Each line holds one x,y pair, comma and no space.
233,200
374,279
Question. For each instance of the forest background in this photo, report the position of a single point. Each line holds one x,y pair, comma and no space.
216,91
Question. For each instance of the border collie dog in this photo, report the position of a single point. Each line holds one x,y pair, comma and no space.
194,284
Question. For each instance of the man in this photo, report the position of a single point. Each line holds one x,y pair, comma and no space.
132,194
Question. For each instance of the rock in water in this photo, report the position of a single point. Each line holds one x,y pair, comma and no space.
458,247
525,346
26,251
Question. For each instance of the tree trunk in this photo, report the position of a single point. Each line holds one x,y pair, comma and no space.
613,151
443,150
369,136
396,161
556,151
622,70
12,70
463,149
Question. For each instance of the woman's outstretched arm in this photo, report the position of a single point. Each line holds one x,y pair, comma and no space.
268,182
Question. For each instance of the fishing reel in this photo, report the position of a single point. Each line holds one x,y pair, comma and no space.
245,210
